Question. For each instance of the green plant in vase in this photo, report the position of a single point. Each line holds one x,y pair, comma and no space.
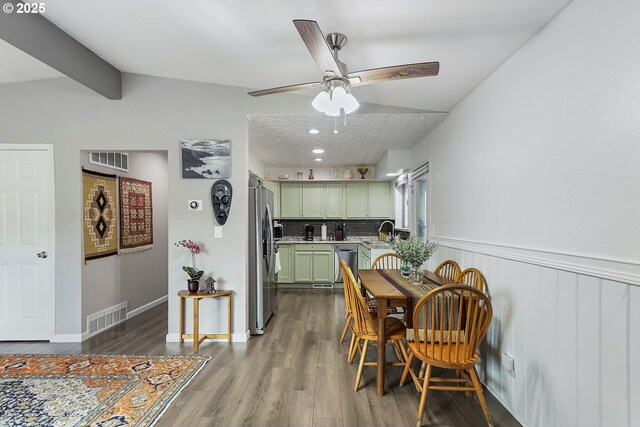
414,252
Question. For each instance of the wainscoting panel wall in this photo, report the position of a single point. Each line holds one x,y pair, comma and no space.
572,336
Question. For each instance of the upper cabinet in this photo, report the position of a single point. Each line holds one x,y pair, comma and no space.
275,188
356,200
290,200
333,197
313,201
368,200
379,198
335,200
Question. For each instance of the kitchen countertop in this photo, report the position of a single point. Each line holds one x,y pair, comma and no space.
370,242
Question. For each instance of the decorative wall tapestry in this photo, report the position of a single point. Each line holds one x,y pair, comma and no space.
206,158
99,214
136,215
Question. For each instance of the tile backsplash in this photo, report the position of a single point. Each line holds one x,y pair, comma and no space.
355,227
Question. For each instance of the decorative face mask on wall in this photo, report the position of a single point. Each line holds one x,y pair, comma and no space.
221,193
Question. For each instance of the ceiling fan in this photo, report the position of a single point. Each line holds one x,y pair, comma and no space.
337,81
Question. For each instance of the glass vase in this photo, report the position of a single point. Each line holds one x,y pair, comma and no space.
416,275
406,271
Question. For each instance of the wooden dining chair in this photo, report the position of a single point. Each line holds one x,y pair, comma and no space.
389,261
347,308
365,329
449,270
472,277
449,324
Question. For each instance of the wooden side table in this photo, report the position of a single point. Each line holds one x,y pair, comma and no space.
197,337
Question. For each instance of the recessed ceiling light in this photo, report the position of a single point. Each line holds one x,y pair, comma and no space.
318,159
314,131
318,151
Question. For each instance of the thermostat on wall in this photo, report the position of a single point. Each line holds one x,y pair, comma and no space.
194,205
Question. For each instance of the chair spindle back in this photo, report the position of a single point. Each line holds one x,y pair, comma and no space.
451,321
388,261
449,270
472,277
363,323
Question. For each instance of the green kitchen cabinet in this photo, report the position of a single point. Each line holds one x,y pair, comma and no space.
275,188
333,201
356,200
379,200
323,267
364,257
290,200
303,266
313,263
285,275
312,201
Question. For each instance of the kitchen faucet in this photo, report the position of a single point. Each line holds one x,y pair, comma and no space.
393,228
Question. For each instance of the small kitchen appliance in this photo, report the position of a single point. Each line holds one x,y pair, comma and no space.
278,231
308,232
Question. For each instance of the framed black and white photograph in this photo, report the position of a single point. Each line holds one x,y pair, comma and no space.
206,158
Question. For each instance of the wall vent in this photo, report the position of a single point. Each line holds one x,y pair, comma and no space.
104,319
119,161
323,286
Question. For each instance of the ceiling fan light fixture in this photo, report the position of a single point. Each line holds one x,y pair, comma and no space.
336,97
350,104
333,112
322,101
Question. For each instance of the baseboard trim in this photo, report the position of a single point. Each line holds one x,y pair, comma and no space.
506,406
148,306
241,337
70,337
610,269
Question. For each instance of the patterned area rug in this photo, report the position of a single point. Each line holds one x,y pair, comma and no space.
91,390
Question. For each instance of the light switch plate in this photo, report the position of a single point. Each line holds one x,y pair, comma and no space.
508,362
194,205
217,232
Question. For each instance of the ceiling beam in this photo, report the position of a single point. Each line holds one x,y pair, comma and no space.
35,35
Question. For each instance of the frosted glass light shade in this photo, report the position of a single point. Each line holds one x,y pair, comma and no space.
322,101
350,104
331,102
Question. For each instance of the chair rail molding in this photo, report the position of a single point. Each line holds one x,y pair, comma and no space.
619,270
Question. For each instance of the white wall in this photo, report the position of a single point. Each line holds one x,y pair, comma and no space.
534,179
154,114
132,277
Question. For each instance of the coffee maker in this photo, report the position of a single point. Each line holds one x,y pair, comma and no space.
308,232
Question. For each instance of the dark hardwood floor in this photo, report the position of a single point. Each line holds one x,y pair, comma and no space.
294,375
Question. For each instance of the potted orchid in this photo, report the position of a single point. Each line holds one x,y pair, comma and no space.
414,252
193,282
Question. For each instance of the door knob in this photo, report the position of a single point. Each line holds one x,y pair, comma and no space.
43,254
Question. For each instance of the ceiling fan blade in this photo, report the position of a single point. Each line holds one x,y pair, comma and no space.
396,72
283,89
318,47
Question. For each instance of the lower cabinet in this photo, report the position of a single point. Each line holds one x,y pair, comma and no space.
312,264
285,275
323,266
364,257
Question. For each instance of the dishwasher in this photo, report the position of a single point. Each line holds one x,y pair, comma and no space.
348,254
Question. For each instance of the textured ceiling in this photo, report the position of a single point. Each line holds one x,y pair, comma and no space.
254,44
284,140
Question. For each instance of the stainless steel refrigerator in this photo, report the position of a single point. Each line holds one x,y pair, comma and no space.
262,260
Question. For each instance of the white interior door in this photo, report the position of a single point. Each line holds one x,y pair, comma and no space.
27,297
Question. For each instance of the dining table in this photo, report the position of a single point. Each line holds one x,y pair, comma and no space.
390,289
